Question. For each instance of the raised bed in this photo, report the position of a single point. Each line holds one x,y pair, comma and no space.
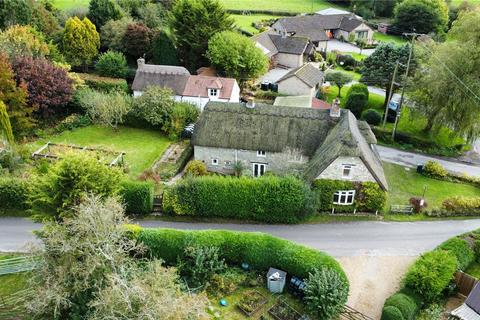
251,302
281,310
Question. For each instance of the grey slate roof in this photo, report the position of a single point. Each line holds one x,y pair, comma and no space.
307,73
159,75
293,45
473,299
314,26
275,128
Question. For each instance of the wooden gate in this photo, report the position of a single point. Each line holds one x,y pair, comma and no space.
465,282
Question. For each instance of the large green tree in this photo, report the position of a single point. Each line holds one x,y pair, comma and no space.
237,56
378,68
193,23
422,16
14,12
80,41
5,126
101,11
447,88
340,79
17,41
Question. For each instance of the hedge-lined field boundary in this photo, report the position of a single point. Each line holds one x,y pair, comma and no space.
429,279
261,251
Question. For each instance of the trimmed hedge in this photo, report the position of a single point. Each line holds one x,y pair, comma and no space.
14,193
391,313
461,250
137,196
104,84
369,197
261,251
405,304
269,198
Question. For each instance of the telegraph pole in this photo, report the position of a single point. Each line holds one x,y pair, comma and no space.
397,118
390,93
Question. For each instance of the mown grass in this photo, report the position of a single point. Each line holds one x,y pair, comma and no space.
300,6
375,101
70,4
11,283
244,22
142,146
378,36
406,183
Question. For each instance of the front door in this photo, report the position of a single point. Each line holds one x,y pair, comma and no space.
259,169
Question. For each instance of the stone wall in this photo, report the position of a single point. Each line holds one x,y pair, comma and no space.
295,87
359,170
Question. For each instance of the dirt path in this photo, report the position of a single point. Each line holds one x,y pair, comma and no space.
373,279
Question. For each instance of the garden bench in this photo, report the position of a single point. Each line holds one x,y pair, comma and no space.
401,209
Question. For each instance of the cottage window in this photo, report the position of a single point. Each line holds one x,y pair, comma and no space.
212,92
228,163
215,161
347,171
362,34
344,197
261,153
259,169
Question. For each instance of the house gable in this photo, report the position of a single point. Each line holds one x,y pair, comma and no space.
359,171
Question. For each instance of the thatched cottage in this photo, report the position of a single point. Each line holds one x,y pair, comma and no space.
315,143
196,89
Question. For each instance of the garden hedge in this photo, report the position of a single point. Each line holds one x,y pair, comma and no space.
269,198
104,84
369,196
261,251
405,304
461,250
391,313
14,193
137,196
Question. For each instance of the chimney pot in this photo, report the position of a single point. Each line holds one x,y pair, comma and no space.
140,62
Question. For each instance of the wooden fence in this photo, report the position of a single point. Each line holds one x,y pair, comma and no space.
465,283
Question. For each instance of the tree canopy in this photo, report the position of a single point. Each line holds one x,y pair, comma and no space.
340,78
80,41
378,68
101,11
422,16
193,23
19,41
5,127
237,56
14,12
447,89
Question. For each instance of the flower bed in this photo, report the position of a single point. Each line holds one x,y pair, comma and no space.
251,302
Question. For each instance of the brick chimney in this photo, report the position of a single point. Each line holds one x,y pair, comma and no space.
140,62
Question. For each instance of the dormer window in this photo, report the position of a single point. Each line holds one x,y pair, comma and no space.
213,93
261,153
347,171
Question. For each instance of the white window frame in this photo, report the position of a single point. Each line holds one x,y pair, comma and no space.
212,92
260,172
261,153
342,197
348,167
215,162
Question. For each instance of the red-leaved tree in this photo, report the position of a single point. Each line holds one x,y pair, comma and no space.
49,87
138,40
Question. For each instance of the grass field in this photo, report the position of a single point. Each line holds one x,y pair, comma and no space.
70,4
375,101
244,22
142,146
388,38
301,6
404,184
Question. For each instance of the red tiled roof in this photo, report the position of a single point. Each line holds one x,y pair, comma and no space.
197,86
320,104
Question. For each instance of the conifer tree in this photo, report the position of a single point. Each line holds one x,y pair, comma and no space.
80,42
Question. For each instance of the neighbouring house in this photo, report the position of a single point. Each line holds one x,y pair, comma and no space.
325,25
313,143
302,102
196,89
284,51
302,81
470,309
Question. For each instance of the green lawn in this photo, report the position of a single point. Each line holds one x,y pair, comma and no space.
70,4
142,146
474,270
375,101
301,6
404,184
244,22
357,56
388,38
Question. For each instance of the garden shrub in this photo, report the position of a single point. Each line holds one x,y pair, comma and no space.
356,102
460,205
137,196
418,204
199,264
196,168
358,88
268,198
112,64
391,313
104,84
369,197
14,193
261,251
461,250
324,293
431,274
405,304
434,169
372,117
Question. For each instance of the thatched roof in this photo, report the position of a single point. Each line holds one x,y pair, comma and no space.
277,128
307,73
367,132
172,77
345,140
